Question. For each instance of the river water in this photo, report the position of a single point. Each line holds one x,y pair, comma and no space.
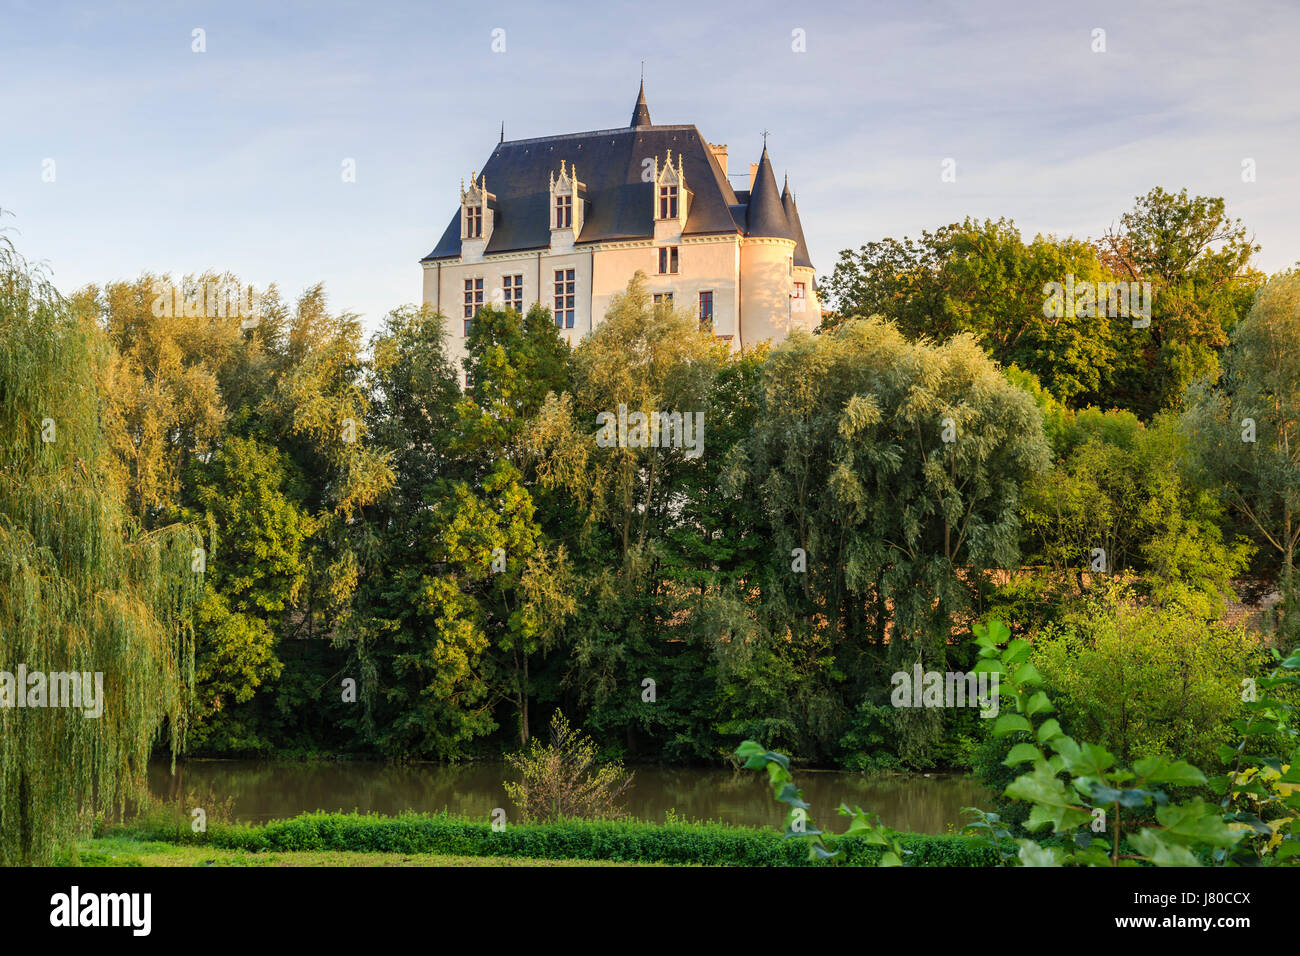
257,791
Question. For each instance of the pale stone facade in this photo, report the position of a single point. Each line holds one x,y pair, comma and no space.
566,221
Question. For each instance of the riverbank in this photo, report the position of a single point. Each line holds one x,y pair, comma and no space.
570,841
125,851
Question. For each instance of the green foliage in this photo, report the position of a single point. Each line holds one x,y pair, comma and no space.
1197,259
799,827
1245,434
83,587
464,589
1086,796
982,279
1146,681
1120,486
701,844
1083,793
850,462
475,560
563,779
869,741
1261,788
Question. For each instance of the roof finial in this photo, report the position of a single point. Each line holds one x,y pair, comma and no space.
503,131
764,140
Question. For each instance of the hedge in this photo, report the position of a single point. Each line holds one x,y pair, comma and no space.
708,844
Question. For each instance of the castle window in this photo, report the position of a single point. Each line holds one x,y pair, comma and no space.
706,307
473,300
664,299
473,222
565,296
667,260
513,287
563,212
667,202
799,296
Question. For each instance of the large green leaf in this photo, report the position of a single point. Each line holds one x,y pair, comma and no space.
1022,753
1009,724
1177,773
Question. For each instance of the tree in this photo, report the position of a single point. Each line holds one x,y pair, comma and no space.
564,780
1244,433
255,536
470,589
83,587
162,382
894,469
1197,259
629,498
1117,502
983,279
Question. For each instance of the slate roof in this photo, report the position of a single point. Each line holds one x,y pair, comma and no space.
792,216
619,205
765,215
641,112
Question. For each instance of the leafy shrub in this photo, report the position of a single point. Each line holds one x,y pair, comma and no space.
1146,681
562,779
1088,798
631,841
869,741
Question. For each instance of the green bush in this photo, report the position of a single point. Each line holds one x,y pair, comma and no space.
1146,681
624,841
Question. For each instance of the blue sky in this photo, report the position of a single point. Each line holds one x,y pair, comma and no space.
167,160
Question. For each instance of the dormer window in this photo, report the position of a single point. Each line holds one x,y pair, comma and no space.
667,202
671,197
477,205
566,205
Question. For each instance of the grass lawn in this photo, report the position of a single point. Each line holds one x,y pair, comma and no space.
120,851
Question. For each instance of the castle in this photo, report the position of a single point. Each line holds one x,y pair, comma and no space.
567,220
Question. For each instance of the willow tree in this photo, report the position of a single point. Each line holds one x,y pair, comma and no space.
82,588
890,472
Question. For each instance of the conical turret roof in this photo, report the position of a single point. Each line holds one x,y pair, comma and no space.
641,112
801,257
766,216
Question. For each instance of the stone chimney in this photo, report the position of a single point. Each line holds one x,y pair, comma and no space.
719,151
753,171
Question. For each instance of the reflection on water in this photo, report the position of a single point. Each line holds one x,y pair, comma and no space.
260,791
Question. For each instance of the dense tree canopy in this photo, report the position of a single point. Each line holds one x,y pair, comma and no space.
377,552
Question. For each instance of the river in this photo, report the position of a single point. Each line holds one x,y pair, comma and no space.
257,791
